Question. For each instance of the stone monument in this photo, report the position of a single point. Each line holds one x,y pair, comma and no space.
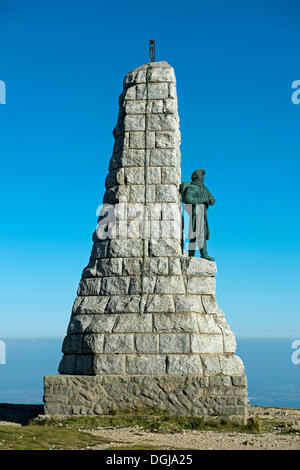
145,329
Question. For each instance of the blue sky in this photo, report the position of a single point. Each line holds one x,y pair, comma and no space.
63,64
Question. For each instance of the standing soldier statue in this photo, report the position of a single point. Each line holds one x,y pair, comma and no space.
197,196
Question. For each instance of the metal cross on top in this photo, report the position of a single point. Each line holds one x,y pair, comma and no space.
151,50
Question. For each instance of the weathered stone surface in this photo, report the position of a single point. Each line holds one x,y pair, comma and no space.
72,344
165,74
84,364
79,323
146,344
231,365
170,175
135,107
179,394
166,193
116,194
137,193
200,285
137,140
109,364
226,381
210,365
198,266
239,381
188,303
100,249
209,304
133,323
92,304
132,266
67,364
76,304
92,343
125,248
134,77
134,175
115,285
137,288
159,303
216,381
163,157
89,286
101,323
172,90
175,343
114,178
166,140
154,175
207,324
118,344
109,267
177,322
207,343
129,157
123,303
146,365
162,122
169,285
184,364
156,266
170,229
174,266
170,106
129,94
171,211
135,211
134,122
165,247
229,341
155,91
90,270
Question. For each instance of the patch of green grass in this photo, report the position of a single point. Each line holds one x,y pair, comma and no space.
154,420
45,438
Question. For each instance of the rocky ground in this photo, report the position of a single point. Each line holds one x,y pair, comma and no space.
280,431
285,437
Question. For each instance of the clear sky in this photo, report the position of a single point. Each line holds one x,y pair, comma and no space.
63,63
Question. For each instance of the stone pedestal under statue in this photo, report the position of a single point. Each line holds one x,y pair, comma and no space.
145,329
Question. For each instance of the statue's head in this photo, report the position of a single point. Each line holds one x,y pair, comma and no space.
198,175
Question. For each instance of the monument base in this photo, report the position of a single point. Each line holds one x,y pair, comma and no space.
178,394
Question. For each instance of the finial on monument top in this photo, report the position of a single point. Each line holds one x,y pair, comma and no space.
151,50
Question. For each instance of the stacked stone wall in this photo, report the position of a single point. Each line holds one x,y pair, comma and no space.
145,328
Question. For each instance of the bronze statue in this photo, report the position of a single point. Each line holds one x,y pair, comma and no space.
195,193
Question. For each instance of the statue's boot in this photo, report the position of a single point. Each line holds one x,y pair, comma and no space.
204,255
192,246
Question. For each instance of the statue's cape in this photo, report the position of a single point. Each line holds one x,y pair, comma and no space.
196,223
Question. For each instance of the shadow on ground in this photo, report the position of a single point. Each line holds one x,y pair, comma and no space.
20,414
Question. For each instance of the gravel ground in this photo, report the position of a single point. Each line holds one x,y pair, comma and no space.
197,440
211,440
